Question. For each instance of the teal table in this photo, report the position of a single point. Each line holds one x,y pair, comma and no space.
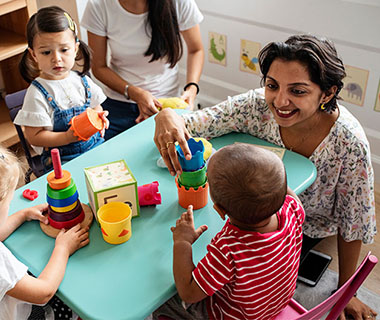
130,280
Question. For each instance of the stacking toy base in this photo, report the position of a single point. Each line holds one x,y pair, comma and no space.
53,232
197,198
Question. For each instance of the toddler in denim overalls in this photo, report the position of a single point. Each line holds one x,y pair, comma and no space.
58,93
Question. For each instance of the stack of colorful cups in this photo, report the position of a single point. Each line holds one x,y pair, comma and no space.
65,209
192,183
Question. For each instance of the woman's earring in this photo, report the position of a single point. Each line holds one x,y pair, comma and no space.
322,107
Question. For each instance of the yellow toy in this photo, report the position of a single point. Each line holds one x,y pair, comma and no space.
173,103
208,148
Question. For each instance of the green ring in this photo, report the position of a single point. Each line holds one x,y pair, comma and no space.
62,193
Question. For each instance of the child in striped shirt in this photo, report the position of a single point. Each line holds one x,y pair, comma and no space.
250,269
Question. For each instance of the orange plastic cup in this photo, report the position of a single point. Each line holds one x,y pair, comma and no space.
86,124
198,198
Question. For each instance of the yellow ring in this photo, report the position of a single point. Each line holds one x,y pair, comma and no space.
168,144
64,209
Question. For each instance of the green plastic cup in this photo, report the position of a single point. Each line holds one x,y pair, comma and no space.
193,178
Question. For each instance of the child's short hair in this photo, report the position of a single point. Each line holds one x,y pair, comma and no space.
248,182
8,160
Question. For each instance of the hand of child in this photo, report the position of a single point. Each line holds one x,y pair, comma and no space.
72,239
36,213
106,123
185,230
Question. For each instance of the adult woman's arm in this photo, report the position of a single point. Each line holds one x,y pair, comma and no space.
146,102
195,59
348,253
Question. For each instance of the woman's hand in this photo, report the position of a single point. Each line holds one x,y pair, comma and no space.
146,102
189,96
357,310
36,213
170,128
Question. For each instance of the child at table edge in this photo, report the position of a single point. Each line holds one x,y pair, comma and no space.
18,290
251,267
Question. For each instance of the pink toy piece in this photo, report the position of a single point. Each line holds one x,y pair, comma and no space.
30,194
148,194
56,163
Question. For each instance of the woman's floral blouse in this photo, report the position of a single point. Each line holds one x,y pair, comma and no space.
342,196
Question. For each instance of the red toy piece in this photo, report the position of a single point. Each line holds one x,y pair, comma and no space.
56,163
30,194
148,194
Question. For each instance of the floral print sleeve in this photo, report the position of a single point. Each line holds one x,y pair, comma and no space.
341,199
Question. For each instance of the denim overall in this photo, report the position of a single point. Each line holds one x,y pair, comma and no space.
61,123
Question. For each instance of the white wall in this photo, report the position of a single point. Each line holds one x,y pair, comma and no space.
353,25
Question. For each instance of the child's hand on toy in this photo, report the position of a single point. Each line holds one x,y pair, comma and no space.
72,239
36,213
185,230
106,123
71,137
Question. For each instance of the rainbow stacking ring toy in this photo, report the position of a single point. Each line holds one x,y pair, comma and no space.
64,210
196,162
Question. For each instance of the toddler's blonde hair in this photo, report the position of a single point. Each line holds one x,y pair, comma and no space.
8,161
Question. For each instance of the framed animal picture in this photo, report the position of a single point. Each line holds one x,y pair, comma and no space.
249,51
217,48
355,85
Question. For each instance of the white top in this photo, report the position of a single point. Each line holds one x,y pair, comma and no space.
11,272
341,199
128,38
67,93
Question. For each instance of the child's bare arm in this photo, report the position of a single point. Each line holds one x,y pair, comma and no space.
18,218
293,194
40,290
184,235
38,136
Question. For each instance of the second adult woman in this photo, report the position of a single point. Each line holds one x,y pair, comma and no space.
144,42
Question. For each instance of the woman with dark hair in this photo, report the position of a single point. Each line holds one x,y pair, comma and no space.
298,110
142,38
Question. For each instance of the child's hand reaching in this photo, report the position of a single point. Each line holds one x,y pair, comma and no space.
72,239
185,230
36,213
106,123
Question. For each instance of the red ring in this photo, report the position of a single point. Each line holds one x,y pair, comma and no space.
67,224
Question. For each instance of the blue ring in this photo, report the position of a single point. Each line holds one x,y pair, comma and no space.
62,202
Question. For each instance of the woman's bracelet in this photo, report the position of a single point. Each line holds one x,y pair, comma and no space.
191,84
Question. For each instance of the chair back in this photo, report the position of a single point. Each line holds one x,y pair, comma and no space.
336,302
14,102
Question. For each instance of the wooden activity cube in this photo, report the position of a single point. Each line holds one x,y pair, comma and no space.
111,182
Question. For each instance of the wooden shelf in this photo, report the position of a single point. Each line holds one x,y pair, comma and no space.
11,44
8,133
7,6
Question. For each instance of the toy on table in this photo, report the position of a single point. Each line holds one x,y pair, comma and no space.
192,183
115,222
148,194
209,150
30,194
111,182
64,210
86,124
173,103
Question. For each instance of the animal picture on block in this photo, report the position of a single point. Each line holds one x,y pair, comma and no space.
217,48
111,182
249,51
355,85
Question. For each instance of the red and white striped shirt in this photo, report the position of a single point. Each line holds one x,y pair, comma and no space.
250,275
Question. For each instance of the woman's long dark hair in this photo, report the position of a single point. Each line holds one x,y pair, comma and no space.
326,69
166,39
46,20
